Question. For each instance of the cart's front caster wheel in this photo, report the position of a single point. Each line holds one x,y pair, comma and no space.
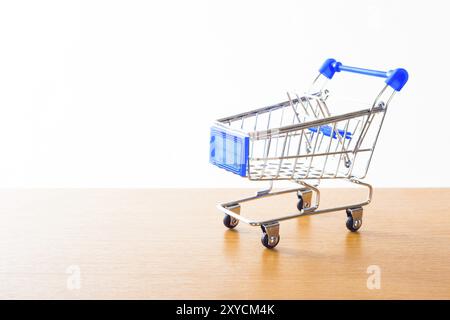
230,222
270,236
271,242
353,225
354,219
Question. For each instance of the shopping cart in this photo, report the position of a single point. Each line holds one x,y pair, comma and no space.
301,141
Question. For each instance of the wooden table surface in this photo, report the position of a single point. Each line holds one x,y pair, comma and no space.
171,244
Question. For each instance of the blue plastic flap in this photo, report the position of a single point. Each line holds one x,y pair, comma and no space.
229,150
326,130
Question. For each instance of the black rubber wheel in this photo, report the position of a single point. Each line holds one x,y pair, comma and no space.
229,222
351,226
348,163
266,243
300,203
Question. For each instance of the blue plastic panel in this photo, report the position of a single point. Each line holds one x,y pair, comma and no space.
229,150
326,130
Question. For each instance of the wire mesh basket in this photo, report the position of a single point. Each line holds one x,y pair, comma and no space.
300,140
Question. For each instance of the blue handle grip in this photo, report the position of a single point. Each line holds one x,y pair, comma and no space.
396,78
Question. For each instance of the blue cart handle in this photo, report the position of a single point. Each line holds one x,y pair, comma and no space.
396,78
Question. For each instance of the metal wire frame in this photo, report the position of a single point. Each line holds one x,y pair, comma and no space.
292,146
288,144
313,209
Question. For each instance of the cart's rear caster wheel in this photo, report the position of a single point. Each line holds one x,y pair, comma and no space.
271,242
304,199
300,203
354,219
230,222
348,163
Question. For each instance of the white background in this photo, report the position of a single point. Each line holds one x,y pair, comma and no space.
122,93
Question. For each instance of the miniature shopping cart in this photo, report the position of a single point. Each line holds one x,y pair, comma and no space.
301,141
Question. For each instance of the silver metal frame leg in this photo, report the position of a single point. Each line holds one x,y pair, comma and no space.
306,195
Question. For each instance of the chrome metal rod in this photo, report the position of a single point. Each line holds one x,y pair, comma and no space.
308,212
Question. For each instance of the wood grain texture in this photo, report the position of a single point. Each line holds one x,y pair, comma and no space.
171,243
